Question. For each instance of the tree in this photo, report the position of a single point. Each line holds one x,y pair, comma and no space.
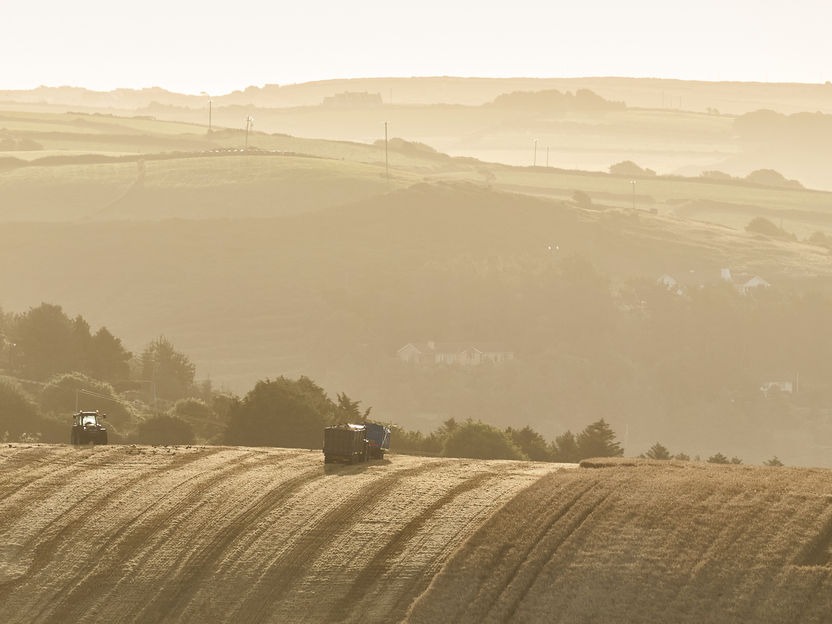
582,199
481,441
719,458
531,443
107,359
349,410
164,429
761,225
17,413
598,440
62,393
199,415
631,169
774,462
565,449
46,342
770,177
280,412
658,451
171,372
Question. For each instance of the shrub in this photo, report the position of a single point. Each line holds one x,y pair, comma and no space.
165,429
478,440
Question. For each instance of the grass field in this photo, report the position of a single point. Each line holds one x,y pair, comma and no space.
174,534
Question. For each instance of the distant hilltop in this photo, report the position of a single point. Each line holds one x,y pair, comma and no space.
728,97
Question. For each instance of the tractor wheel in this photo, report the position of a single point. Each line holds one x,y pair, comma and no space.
102,439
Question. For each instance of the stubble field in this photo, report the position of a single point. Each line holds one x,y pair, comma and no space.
220,534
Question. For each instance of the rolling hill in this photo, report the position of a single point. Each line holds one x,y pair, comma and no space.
173,534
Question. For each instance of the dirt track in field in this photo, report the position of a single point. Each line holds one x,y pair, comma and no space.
217,534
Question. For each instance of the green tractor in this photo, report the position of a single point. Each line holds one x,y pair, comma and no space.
87,428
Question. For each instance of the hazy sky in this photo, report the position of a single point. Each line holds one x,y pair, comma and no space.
193,46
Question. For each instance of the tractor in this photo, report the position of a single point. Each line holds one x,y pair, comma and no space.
87,427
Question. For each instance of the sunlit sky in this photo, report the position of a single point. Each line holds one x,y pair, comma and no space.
193,46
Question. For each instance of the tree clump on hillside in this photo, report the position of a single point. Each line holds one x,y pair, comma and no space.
480,441
761,225
281,412
770,177
552,100
164,429
19,418
47,342
630,169
65,393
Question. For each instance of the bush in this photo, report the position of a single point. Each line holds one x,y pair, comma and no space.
630,169
770,177
59,398
282,413
478,440
761,225
202,419
164,429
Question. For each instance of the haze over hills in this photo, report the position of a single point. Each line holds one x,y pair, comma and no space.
301,256
669,126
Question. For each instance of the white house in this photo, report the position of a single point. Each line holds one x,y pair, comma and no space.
461,353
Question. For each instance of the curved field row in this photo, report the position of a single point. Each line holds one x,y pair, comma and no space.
647,542
166,534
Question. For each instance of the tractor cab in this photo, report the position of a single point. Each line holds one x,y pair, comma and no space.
88,427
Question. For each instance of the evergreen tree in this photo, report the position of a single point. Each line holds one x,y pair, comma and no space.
531,443
565,449
658,451
598,440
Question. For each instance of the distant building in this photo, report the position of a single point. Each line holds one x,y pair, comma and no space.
779,386
353,99
461,353
670,282
754,282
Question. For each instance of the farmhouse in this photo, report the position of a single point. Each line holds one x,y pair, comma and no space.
462,353
353,99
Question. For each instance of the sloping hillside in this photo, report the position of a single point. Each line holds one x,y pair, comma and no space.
635,542
172,534
141,534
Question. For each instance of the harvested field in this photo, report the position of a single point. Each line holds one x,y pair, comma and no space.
155,534
640,541
219,534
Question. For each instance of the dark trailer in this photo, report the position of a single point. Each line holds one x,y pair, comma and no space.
345,443
378,439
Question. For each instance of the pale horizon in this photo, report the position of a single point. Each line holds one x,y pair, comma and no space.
190,48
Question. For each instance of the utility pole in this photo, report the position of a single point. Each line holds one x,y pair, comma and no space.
633,182
210,101
534,160
386,161
249,124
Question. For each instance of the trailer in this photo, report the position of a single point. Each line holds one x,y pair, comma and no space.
345,443
378,440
